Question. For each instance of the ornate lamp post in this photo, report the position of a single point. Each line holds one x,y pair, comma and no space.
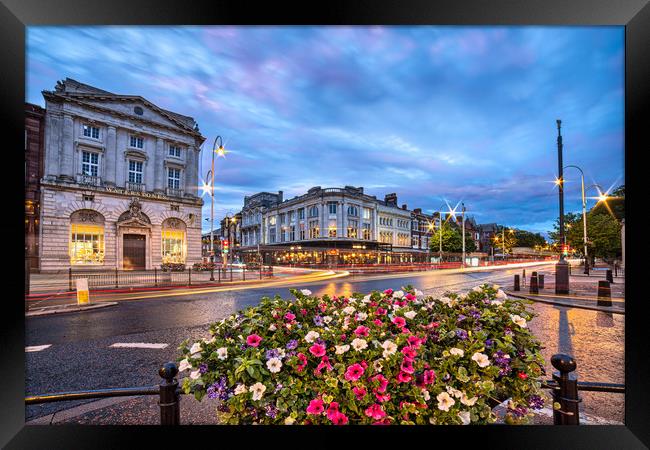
562,266
463,264
220,151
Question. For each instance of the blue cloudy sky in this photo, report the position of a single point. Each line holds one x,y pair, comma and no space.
431,113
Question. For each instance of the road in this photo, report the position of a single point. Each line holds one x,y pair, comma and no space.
80,352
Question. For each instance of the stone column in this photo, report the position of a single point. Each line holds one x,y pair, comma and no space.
344,219
108,168
66,157
120,170
324,219
53,122
190,184
159,166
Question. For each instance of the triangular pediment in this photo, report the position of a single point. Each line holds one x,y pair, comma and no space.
132,108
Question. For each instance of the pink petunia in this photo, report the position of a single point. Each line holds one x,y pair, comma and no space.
382,397
360,392
375,411
378,322
317,350
354,372
315,407
339,419
253,340
362,331
383,382
404,377
380,312
388,292
332,410
302,362
407,366
429,376
289,316
414,341
409,353
399,321
324,363
343,336
410,297
406,331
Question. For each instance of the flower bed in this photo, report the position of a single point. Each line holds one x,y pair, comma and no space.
384,358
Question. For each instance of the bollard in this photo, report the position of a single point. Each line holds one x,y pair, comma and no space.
155,276
516,288
523,278
230,273
566,394
608,276
70,279
534,289
604,294
170,408
116,275
189,276
243,273
540,281
212,272
261,266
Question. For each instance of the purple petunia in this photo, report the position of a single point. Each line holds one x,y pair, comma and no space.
461,317
318,321
203,368
278,387
489,342
293,343
475,313
271,411
535,402
220,390
274,353
461,334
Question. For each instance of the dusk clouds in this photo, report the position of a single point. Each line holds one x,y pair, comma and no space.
431,113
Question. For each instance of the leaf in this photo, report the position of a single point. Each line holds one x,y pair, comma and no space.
251,371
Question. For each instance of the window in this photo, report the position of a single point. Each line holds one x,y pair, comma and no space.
366,231
86,244
174,207
173,178
135,171
331,206
88,198
272,220
292,233
314,229
175,150
91,131
283,217
89,163
331,228
302,231
173,246
272,235
352,228
301,213
136,142
366,213
313,211
353,211
292,216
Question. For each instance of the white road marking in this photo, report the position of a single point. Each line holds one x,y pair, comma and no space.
37,348
137,345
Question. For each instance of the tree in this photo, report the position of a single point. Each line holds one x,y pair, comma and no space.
570,221
527,239
615,204
452,240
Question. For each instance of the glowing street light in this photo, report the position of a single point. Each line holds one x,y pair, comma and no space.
220,151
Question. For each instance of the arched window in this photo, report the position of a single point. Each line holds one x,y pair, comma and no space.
313,211
86,237
353,211
173,241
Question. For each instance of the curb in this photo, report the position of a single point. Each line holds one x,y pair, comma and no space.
47,310
567,305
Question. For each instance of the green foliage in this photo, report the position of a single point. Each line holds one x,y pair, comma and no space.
452,240
525,238
418,359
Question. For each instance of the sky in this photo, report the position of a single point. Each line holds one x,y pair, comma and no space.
435,114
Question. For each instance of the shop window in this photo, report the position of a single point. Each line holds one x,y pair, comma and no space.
173,241
86,237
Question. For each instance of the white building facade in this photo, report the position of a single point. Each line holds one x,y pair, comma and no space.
120,180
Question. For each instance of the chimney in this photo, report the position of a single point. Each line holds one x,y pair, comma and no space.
417,210
391,199
279,196
404,206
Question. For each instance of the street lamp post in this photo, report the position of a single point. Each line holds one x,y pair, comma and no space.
220,152
562,266
463,264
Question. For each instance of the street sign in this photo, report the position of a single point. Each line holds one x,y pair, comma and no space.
83,297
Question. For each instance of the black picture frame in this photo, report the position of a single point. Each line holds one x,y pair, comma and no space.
633,14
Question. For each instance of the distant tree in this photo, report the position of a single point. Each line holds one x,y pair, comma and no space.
503,240
452,240
570,219
527,239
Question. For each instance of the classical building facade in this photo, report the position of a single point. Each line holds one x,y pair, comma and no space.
333,225
34,161
119,188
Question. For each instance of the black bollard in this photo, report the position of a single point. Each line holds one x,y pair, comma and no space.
534,289
540,281
608,276
566,394
170,408
516,288
604,294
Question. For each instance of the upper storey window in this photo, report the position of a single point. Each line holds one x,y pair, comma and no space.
175,150
136,142
90,131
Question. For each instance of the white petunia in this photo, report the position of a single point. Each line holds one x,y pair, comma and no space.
496,287
195,349
478,289
448,301
195,374
361,316
377,366
496,302
455,392
418,293
289,421
274,365
222,353
348,310
241,389
366,299
184,365
464,417
312,336
389,348
501,294
467,401
410,315
327,319
456,351
340,349
359,344
481,359
305,292
445,401
272,327
426,395
398,294
258,390
210,341
518,320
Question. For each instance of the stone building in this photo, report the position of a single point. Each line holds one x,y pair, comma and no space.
119,188
34,130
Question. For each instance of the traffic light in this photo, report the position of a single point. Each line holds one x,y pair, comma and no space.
565,249
224,246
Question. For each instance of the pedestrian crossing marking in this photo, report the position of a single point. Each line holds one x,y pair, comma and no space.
137,345
36,348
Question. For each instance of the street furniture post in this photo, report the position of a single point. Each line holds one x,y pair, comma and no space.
562,266
516,288
189,276
534,289
83,296
566,394
70,279
540,281
116,284
608,276
170,412
604,294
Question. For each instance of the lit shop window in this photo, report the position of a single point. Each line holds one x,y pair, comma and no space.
86,244
173,241
352,228
331,229
366,231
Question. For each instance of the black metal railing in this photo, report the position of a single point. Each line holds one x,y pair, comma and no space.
115,278
135,187
565,387
172,192
88,180
168,392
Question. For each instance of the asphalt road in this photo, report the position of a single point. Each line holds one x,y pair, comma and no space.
79,353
